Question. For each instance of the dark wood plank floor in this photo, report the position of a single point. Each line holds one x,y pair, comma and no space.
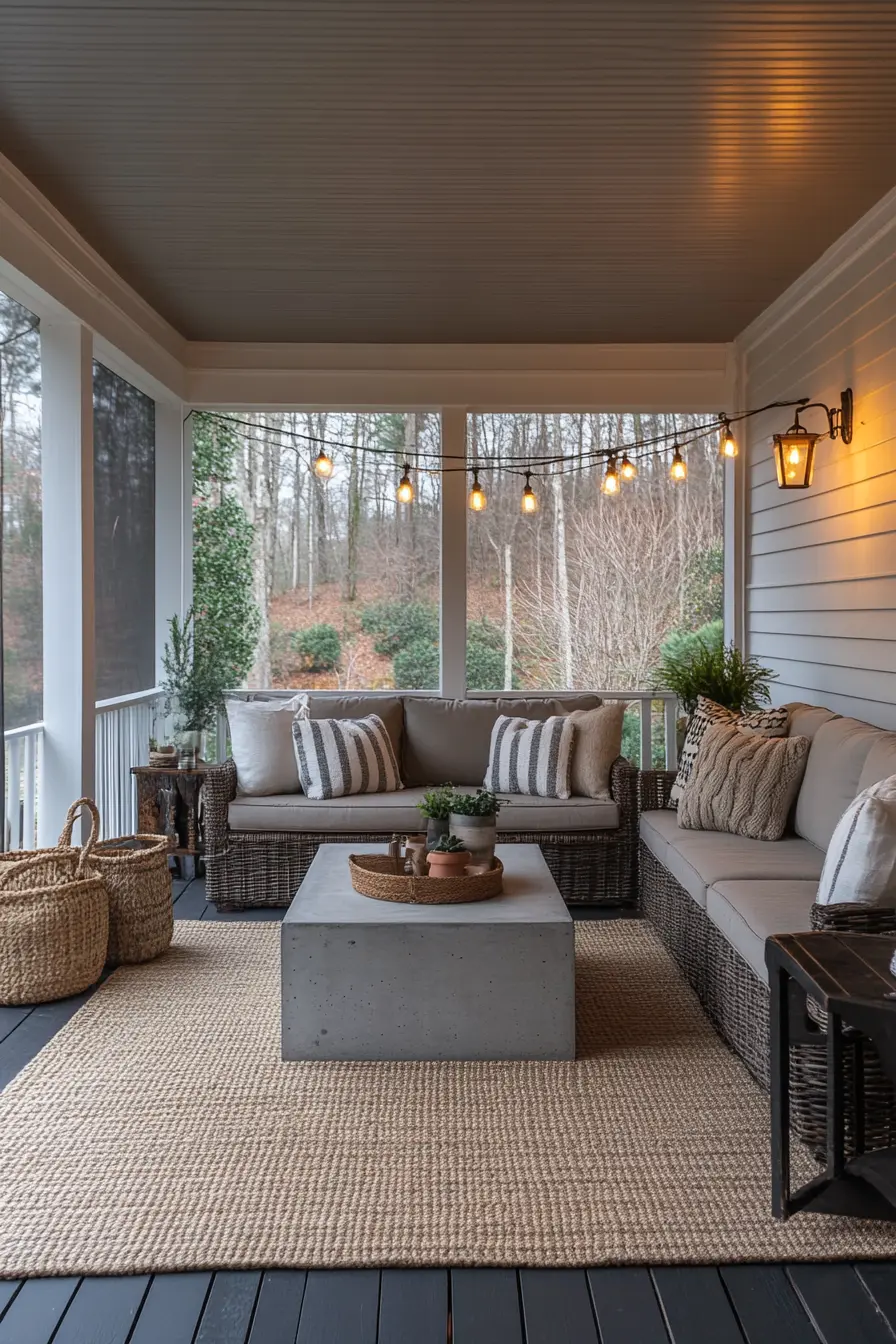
740,1304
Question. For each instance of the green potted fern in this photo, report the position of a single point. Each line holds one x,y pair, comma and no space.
715,670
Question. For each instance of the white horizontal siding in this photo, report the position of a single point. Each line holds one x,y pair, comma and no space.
820,603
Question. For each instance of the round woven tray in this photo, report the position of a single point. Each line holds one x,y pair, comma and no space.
374,875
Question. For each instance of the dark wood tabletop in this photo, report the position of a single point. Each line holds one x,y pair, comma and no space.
837,967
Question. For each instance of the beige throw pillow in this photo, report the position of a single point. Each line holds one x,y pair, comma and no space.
742,783
860,864
598,742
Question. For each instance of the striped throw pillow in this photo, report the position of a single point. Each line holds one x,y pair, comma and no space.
526,756
337,757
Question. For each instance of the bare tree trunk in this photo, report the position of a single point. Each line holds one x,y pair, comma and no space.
311,550
256,486
508,618
561,571
353,520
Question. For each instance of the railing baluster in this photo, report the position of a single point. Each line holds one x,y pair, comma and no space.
646,749
14,794
29,809
671,717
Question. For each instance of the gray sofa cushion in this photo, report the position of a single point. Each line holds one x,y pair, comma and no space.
805,720
657,829
383,813
352,706
698,859
526,812
749,912
449,739
837,757
880,762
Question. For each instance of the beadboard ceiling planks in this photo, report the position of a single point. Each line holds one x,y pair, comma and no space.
473,171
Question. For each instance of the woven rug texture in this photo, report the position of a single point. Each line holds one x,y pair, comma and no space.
159,1130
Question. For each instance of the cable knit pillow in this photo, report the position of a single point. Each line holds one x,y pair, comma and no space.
764,722
742,783
860,865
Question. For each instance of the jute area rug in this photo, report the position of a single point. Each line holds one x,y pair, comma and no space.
159,1130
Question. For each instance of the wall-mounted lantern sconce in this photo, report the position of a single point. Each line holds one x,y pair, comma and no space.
795,450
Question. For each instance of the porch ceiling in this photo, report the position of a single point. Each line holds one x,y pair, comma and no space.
479,170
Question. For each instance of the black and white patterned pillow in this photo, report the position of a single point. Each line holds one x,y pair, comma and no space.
528,756
762,722
337,757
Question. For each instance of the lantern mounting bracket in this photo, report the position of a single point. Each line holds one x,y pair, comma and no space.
839,417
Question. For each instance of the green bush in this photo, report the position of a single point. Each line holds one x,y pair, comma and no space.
416,668
485,667
397,625
680,644
318,646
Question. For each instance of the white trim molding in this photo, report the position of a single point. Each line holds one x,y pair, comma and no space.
48,266
683,377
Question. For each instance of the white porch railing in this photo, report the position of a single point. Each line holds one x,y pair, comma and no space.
23,754
656,711
124,726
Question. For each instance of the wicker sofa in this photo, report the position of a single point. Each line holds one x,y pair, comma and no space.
258,849
714,899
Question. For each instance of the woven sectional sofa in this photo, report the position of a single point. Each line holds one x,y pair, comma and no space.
715,898
258,849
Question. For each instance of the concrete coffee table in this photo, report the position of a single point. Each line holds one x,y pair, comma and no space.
366,979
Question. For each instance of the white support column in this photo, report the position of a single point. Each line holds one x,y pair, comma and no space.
734,525
453,625
68,765
171,508
186,513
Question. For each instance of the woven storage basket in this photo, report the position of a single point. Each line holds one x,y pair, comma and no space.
135,871
54,926
374,875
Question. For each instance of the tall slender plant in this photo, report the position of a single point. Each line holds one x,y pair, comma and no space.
194,681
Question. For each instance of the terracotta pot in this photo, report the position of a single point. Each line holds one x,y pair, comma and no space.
448,865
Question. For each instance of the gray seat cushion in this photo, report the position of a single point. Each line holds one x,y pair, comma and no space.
525,813
698,859
749,912
837,757
449,739
383,813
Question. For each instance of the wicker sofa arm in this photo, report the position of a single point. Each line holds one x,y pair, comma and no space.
218,792
624,784
853,919
654,787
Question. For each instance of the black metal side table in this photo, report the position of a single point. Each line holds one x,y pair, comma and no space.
848,975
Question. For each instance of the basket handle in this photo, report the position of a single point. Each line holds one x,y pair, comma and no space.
23,865
65,839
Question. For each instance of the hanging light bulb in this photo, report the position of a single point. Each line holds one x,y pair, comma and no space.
405,492
323,466
610,483
478,500
679,468
727,442
627,469
529,502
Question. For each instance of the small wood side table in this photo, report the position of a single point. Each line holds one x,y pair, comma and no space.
848,975
169,802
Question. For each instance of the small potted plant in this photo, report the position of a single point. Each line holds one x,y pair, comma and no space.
436,806
192,686
448,858
702,664
474,819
